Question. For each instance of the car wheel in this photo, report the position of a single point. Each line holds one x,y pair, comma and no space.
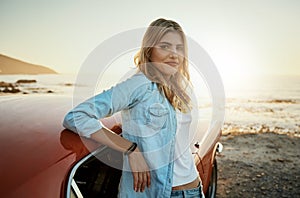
212,188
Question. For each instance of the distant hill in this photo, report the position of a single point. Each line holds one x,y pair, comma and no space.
10,65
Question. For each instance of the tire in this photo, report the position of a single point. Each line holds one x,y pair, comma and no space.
212,188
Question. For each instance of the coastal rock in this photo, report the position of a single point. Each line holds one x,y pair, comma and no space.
11,90
6,87
5,84
17,87
69,84
25,81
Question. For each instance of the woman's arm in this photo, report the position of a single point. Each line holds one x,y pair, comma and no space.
111,139
114,123
84,120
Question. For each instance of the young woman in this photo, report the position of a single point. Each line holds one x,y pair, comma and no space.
155,109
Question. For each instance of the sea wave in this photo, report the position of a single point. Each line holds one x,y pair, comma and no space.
229,128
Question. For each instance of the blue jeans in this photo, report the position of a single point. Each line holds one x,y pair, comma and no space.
190,193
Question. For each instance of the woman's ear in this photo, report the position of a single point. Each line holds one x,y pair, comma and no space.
148,56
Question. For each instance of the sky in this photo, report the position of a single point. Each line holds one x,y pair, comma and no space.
243,37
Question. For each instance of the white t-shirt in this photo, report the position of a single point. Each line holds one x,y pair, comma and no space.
184,165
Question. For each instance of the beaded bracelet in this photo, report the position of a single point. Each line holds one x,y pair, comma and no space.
130,149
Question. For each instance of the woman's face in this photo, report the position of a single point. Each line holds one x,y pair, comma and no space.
167,55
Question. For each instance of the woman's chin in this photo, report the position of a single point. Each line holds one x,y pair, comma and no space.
171,71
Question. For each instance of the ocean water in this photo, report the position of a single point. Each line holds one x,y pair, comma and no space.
267,104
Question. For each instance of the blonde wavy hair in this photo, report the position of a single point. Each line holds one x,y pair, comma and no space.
175,90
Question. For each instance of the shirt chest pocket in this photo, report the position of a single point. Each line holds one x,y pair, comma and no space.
157,116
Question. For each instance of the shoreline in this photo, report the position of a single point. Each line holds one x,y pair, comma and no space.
259,165
276,132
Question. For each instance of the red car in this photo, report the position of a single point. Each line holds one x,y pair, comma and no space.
39,158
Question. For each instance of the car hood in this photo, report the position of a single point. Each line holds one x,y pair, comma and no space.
36,151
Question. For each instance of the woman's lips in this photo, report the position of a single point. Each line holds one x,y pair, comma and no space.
173,64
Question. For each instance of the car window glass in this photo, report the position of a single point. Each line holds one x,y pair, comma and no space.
95,178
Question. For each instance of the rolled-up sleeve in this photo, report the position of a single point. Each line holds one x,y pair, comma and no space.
84,118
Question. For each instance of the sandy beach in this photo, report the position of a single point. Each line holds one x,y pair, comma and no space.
259,165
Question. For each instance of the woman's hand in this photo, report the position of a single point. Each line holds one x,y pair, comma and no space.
140,171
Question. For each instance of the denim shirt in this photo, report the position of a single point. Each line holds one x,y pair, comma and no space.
147,119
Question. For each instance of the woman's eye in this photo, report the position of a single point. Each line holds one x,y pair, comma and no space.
180,48
164,47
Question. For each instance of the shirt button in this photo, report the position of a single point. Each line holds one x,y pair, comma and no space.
169,180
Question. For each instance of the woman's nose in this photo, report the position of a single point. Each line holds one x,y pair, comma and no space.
173,52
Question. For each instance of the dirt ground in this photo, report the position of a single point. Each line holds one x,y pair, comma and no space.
259,165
